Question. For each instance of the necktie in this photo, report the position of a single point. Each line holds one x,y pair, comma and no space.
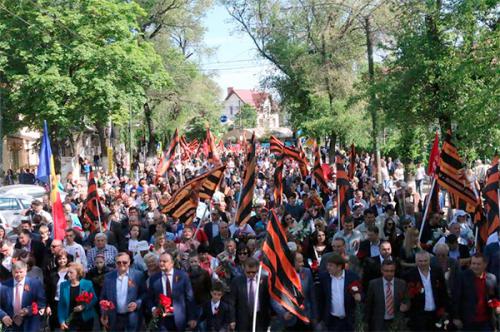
389,302
251,295
169,288
17,299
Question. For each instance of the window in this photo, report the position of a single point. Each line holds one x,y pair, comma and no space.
8,204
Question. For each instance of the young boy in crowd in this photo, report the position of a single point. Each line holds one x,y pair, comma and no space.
216,314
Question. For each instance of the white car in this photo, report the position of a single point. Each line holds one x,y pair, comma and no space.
11,207
31,190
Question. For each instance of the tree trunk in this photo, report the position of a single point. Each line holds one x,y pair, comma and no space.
372,105
331,148
148,118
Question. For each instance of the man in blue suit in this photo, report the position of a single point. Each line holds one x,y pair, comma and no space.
17,297
291,321
175,284
337,300
126,288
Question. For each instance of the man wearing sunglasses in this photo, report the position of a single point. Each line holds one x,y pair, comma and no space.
126,288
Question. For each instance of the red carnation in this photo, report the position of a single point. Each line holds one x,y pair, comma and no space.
34,308
314,266
354,287
166,304
494,303
85,297
106,305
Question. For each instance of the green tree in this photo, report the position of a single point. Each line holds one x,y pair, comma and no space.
74,63
245,118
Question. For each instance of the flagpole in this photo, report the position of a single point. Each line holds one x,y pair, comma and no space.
98,212
201,221
339,216
427,208
254,323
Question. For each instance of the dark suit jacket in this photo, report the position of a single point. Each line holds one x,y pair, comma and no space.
439,291
209,231
375,301
217,322
37,250
135,293
325,296
216,246
182,296
239,300
364,250
33,292
464,304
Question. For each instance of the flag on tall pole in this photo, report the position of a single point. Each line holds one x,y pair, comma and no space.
278,147
284,282
92,210
342,186
304,172
243,213
169,156
434,157
183,203
317,173
213,155
492,204
450,176
278,180
47,174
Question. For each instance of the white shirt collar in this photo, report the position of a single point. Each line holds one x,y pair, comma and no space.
342,276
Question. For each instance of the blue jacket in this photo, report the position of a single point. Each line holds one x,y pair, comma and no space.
64,301
182,296
33,292
136,292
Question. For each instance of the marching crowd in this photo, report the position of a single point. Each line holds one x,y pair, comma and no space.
141,269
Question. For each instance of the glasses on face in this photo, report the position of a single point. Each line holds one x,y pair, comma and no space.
54,245
121,262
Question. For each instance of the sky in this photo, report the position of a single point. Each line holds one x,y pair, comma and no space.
235,61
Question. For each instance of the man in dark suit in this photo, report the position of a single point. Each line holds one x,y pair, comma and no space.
372,265
217,244
243,296
212,228
338,300
384,299
125,287
369,247
291,321
429,295
16,300
474,289
176,285
25,242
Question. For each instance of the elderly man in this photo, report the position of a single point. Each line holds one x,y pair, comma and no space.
103,248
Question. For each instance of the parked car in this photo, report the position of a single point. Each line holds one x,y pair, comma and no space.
31,190
11,207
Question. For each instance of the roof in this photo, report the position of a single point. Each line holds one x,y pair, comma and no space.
250,97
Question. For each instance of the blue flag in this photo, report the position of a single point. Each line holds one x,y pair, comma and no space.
43,171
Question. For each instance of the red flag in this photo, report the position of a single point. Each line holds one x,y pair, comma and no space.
434,157
58,217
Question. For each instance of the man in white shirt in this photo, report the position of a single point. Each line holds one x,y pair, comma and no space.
339,295
75,249
429,294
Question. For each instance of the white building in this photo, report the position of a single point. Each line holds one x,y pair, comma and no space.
267,111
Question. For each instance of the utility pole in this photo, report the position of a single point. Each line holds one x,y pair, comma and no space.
1,129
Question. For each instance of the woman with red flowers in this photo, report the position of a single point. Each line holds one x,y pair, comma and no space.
77,299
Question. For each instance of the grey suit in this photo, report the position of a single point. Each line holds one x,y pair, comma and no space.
375,302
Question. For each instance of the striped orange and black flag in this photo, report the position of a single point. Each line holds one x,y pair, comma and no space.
284,281
182,205
278,180
246,196
278,147
303,162
451,177
342,186
93,212
317,173
213,155
352,162
491,207
167,159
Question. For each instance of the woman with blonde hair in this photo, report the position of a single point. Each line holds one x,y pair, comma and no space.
411,245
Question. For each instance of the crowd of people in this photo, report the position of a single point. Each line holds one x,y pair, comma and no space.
140,269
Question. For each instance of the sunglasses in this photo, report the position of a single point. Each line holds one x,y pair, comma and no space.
121,263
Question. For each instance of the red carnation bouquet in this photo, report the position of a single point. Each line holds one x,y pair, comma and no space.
84,298
494,303
106,305
34,308
414,289
165,308
354,288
